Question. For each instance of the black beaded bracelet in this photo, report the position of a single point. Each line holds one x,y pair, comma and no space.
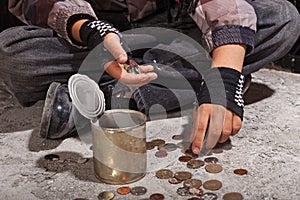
223,86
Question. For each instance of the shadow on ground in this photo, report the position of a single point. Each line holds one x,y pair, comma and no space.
81,167
257,92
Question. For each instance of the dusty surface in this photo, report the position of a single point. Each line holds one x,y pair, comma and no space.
267,146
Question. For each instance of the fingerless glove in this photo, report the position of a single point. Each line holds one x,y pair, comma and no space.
92,32
223,86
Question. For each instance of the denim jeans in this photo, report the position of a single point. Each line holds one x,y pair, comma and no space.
32,57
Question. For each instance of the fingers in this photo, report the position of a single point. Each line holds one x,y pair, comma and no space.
216,125
227,127
146,68
129,79
135,80
113,44
203,118
236,124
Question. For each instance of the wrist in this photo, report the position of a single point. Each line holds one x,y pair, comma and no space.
223,86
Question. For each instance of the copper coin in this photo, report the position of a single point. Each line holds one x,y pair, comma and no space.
195,164
174,180
157,196
195,183
183,175
211,160
149,145
52,157
183,191
217,150
240,171
161,154
123,190
177,137
164,174
138,190
195,191
80,199
158,142
106,195
233,196
189,152
213,168
208,196
184,158
212,185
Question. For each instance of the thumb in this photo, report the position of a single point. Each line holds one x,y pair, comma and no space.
113,44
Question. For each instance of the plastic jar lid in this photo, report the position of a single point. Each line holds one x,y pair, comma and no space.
86,96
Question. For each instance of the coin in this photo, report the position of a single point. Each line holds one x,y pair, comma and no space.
164,174
169,147
157,196
182,175
212,185
158,142
195,164
211,160
161,154
149,145
195,191
195,183
138,190
106,195
208,196
183,145
213,168
233,196
80,199
183,191
240,171
82,160
177,137
189,152
217,150
174,180
184,158
123,190
52,157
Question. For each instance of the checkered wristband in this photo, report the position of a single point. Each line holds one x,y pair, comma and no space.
92,32
223,86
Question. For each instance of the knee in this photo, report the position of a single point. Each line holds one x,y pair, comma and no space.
289,18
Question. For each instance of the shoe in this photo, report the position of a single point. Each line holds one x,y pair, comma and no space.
247,83
57,118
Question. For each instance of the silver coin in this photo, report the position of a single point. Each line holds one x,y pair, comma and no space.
183,191
208,196
106,195
52,157
211,160
169,147
138,190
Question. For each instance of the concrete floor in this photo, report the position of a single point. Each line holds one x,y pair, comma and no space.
267,146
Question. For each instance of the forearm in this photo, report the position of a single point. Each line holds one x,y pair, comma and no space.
230,56
53,13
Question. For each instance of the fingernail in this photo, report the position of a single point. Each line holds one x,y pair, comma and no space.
196,150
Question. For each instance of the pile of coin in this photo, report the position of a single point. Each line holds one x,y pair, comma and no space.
191,187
